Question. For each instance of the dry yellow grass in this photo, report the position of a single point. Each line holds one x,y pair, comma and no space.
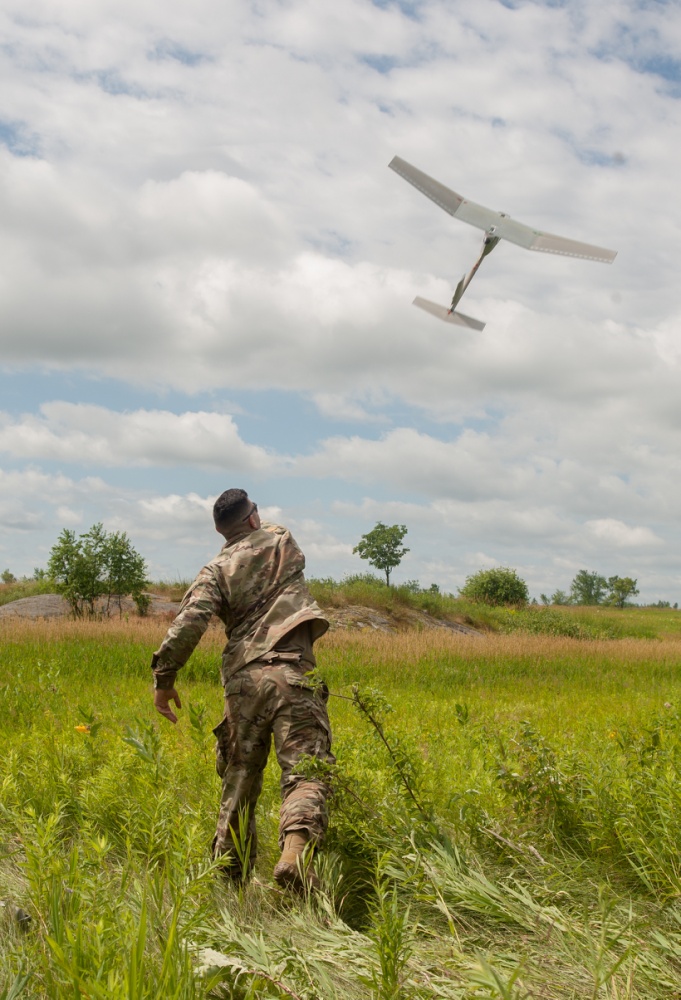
414,645
378,646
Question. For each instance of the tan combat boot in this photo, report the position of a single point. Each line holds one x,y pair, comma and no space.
294,870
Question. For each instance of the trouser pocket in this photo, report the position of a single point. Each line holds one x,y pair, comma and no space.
222,746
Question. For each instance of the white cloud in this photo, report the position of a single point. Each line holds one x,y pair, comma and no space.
94,435
448,538
506,486
338,406
621,535
166,232
68,517
321,546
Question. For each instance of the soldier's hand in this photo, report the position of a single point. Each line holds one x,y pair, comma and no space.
162,699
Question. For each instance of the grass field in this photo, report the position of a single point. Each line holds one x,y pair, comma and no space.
519,835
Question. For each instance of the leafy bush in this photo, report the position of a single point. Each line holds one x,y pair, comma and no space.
497,586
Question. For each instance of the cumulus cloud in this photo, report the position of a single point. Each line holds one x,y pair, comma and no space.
187,225
94,435
496,494
512,459
622,535
36,505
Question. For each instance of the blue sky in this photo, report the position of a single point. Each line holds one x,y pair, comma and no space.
207,271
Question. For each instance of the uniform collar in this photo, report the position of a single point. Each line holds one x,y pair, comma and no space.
238,536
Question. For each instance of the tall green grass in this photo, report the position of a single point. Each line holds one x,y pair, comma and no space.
24,588
512,830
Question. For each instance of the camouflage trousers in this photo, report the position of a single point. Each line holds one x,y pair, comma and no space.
265,700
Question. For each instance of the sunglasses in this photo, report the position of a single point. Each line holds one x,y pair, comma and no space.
252,511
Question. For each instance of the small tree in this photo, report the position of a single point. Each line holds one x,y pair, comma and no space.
7,577
126,571
560,597
588,588
95,565
495,586
382,546
621,589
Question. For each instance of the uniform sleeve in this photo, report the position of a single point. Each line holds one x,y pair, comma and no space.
199,604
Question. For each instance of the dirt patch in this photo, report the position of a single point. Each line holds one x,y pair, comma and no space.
355,616
40,606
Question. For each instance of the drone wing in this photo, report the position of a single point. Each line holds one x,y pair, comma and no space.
442,312
500,224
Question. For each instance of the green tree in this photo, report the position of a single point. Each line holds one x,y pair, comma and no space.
7,576
495,586
98,564
621,589
126,571
588,588
382,546
560,597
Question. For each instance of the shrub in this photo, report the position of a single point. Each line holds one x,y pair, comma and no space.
495,586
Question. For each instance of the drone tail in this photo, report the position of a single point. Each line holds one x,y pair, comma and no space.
448,315
460,289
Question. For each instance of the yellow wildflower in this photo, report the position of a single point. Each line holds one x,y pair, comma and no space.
82,729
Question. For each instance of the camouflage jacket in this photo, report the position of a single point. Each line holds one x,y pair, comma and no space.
256,587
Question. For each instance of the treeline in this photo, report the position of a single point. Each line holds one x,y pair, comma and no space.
591,588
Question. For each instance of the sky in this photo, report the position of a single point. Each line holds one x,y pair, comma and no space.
207,269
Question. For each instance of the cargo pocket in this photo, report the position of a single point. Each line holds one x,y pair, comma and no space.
298,675
308,708
222,734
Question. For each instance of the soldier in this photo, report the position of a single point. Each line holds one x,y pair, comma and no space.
255,585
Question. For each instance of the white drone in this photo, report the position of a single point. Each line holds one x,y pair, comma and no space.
497,226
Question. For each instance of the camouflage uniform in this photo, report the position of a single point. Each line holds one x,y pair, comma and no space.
255,585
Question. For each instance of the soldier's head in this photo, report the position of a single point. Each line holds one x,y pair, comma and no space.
233,512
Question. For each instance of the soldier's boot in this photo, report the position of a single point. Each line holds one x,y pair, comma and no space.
234,874
231,869
294,870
